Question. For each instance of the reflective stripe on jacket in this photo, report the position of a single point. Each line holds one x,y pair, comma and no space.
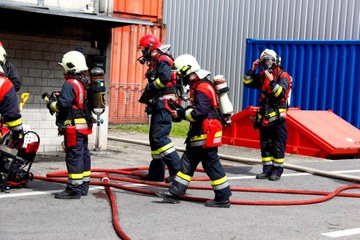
9,105
71,101
204,100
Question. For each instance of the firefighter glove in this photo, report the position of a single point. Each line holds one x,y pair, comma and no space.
46,96
144,98
55,95
181,112
173,104
48,105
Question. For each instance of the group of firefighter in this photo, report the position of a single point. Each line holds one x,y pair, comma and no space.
165,76
177,89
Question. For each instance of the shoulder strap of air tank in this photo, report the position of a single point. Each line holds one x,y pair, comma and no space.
278,75
167,58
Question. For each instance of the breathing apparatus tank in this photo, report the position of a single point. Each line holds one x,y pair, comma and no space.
97,91
222,89
97,99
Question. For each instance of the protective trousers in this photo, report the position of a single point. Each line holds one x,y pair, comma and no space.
163,151
212,166
78,163
273,143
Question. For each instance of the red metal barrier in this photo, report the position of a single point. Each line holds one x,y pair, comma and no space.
311,133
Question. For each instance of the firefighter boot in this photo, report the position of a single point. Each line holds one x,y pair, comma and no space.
276,173
219,204
156,171
85,188
169,179
267,169
67,194
167,197
150,178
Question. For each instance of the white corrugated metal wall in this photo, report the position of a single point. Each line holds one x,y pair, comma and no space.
215,31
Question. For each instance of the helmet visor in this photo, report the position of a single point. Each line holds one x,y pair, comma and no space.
267,63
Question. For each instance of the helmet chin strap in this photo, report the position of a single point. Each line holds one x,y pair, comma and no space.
192,76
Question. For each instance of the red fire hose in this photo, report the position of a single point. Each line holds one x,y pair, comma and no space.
108,178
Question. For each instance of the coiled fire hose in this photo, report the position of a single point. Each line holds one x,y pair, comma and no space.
108,176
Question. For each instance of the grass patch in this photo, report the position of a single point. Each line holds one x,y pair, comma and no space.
178,130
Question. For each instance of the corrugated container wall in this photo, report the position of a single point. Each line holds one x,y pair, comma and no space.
141,9
325,74
215,31
127,74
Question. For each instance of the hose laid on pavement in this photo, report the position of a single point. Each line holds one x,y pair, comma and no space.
114,209
105,175
113,175
256,161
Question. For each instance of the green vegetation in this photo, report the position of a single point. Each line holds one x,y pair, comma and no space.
179,130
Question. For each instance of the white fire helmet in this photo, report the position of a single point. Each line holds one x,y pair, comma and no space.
2,53
74,62
269,54
186,64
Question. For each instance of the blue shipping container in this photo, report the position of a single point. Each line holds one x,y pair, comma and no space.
325,74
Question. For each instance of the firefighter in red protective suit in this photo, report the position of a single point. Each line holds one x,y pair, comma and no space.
204,136
274,84
75,123
157,94
9,107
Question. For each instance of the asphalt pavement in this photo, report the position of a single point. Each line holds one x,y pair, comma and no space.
316,204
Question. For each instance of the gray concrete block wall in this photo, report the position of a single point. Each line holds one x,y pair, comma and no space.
36,59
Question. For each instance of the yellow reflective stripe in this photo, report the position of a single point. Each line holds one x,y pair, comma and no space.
197,138
14,123
54,107
219,181
75,175
279,160
79,120
159,83
86,173
184,176
76,120
247,81
273,114
163,149
204,136
183,70
277,93
267,159
218,134
282,114
188,115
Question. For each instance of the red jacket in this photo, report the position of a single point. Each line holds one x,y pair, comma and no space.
9,105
